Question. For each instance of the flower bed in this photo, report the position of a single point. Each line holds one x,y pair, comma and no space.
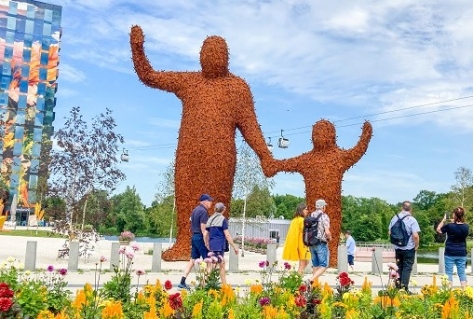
279,293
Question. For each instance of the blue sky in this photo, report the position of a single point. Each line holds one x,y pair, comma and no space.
344,61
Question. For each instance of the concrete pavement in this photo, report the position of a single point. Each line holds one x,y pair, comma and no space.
47,250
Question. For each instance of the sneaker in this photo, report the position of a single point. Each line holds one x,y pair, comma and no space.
184,286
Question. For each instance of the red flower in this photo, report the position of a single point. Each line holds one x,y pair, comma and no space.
300,301
302,288
175,301
5,304
168,285
315,301
5,290
343,274
345,281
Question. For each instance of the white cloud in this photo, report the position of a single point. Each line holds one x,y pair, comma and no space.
71,74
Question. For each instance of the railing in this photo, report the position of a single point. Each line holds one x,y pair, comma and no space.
366,246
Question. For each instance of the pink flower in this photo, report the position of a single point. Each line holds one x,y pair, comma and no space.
211,253
393,274
392,266
50,268
122,250
63,271
261,264
103,259
135,247
287,266
140,272
130,254
208,260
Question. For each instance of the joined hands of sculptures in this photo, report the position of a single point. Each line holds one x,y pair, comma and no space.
215,103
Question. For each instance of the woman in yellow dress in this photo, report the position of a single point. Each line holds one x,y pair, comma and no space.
294,249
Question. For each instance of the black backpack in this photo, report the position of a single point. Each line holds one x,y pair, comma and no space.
398,233
310,231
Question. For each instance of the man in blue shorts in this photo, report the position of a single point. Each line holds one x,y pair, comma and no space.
199,218
320,252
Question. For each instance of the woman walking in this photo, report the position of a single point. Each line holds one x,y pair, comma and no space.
455,252
294,249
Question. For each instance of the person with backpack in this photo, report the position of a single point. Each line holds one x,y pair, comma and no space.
294,248
403,231
319,244
455,252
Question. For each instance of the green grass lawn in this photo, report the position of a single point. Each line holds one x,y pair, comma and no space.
30,233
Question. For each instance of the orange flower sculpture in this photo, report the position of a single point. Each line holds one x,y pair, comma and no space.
323,168
215,103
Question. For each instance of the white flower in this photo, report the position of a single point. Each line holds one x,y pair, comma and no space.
414,283
3,265
248,282
20,266
27,273
11,259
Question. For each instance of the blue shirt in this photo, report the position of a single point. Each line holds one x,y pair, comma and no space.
351,245
411,226
198,216
216,232
456,239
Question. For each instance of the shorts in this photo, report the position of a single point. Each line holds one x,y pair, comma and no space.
319,255
198,248
350,260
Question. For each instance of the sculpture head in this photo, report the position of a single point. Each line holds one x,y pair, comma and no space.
214,57
324,135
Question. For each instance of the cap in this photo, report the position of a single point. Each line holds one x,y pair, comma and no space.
219,207
204,197
320,203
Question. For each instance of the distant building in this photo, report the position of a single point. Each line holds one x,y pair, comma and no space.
30,33
260,227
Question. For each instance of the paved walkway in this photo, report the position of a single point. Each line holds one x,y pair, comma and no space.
47,250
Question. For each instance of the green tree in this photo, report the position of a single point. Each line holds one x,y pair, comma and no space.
129,211
286,205
260,203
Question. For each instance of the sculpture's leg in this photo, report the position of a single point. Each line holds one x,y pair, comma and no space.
181,250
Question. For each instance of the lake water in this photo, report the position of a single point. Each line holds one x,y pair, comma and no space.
432,257
142,239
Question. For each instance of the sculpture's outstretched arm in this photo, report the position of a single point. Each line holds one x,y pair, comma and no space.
250,129
167,81
354,154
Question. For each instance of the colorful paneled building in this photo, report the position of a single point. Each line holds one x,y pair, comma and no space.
30,33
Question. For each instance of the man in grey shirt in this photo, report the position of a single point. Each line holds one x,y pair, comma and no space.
405,255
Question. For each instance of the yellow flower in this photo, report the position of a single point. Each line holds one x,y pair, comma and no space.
352,314
202,265
413,283
113,311
197,310
256,289
367,286
248,282
468,292
231,314
213,293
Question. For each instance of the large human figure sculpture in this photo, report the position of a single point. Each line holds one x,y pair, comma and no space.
215,102
323,168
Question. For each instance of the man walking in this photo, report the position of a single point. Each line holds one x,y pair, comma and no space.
351,248
199,217
320,252
405,255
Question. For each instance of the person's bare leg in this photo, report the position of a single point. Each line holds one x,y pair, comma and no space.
303,263
317,271
222,273
187,270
